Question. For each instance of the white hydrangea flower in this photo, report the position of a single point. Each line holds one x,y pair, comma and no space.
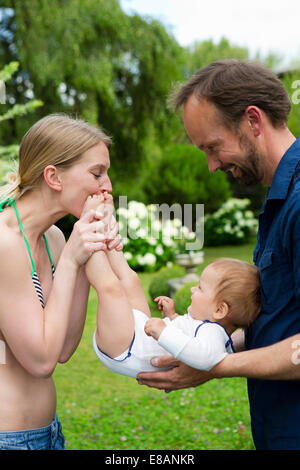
134,223
151,241
141,233
149,259
159,250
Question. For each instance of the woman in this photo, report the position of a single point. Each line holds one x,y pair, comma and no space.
62,161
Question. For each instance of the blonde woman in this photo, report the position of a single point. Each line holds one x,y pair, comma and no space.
43,286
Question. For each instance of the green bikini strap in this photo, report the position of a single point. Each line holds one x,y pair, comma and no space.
27,244
48,250
6,202
25,239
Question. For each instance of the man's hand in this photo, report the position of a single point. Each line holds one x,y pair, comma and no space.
180,376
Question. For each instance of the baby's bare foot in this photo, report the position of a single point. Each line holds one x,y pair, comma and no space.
95,202
108,209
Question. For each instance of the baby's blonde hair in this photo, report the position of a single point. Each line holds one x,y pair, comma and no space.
238,285
57,140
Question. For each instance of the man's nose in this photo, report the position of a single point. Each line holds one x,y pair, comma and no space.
213,165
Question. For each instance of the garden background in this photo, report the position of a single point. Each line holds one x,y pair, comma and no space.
90,59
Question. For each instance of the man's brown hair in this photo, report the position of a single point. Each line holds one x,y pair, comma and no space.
232,86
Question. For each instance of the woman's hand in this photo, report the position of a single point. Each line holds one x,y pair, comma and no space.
114,239
87,237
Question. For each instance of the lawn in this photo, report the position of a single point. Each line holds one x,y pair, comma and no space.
102,410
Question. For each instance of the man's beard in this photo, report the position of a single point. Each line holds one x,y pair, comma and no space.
250,169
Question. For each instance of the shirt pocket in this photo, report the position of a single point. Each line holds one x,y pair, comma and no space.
265,260
276,279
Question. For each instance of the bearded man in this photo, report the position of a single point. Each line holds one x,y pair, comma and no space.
236,112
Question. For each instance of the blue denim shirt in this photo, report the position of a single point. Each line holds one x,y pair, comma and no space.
275,405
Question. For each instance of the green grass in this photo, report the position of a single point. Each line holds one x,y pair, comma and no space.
102,410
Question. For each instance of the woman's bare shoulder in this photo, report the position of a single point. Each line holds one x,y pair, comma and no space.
13,255
56,241
8,239
55,234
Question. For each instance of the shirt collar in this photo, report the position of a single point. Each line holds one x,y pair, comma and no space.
285,172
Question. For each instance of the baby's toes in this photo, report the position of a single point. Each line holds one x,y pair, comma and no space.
95,202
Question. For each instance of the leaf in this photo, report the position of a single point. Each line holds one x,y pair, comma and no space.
21,109
8,71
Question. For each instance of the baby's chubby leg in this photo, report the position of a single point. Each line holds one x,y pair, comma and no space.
115,322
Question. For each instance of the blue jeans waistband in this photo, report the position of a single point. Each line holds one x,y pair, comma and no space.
48,437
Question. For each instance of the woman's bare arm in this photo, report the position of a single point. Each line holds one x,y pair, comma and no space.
36,336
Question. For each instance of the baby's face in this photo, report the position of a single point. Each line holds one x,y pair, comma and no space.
203,303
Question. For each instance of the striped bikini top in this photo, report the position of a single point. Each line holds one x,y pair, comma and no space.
34,276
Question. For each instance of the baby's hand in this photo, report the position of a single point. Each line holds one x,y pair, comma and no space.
154,326
166,306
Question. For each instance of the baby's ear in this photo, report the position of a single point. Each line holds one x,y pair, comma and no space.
222,311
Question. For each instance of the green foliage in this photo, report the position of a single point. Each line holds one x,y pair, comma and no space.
88,58
182,298
232,224
21,110
204,52
7,71
150,241
159,283
180,175
292,85
9,153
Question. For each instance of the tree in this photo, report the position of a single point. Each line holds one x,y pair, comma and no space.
88,58
10,152
205,52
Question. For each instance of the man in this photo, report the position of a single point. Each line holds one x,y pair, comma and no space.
236,112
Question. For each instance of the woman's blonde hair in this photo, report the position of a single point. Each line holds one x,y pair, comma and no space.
57,140
238,285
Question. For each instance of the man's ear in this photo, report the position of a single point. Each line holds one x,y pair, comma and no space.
254,117
52,178
222,311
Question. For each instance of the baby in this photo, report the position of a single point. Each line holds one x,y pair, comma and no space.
227,297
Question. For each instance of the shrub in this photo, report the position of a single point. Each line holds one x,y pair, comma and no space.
232,224
149,243
180,175
159,283
182,298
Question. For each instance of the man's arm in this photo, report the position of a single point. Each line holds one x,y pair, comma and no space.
280,361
